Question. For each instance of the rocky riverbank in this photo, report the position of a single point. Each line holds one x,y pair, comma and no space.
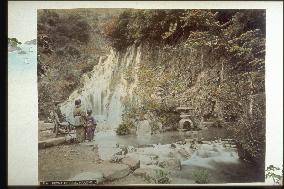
161,159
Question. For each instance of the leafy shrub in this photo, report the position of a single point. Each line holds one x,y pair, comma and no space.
162,177
154,127
270,173
14,42
201,176
124,128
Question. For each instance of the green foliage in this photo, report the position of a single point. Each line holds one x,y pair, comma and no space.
132,110
247,110
201,176
270,173
139,25
129,76
241,37
69,45
13,42
124,128
162,177
190,57
154,126
203,57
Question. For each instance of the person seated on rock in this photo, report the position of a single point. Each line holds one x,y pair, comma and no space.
57,118
91,126
55,115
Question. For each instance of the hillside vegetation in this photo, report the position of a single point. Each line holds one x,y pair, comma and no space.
211,60
69,45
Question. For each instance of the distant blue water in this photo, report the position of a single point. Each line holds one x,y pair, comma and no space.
23,63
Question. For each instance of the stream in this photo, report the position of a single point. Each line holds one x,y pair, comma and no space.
220,162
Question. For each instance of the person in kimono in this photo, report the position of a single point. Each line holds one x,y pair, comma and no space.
80,121
91,126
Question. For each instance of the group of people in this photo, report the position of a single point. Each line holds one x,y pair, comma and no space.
85,123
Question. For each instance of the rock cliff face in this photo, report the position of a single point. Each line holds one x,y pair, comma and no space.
151,81
208,82
165,78
106,87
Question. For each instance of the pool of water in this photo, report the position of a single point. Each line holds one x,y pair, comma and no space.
221,163
108,140
110,137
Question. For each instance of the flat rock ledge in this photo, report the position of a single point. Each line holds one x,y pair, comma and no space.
110,171
113,171
51,142
55,141
131,162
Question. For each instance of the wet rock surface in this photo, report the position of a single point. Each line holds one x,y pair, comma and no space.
147,173
114,171
112,162
51,142
131,162
117,158
171,164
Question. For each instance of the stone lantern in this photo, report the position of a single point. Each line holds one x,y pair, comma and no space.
186,115
186,124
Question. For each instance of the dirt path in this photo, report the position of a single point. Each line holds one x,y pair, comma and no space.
65,161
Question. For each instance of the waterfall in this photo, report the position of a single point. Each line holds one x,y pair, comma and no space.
106,87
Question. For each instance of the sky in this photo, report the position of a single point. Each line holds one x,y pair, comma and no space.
22,21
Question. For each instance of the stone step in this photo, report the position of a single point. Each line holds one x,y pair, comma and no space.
113,171
51,142
55,141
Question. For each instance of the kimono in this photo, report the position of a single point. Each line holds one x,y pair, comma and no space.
91,126
80,116
80,123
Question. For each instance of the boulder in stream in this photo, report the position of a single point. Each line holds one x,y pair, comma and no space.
114,171
171,164
116,158
131,162
143,128
184,153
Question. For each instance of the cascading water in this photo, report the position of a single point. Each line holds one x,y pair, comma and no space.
209,154
105,90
